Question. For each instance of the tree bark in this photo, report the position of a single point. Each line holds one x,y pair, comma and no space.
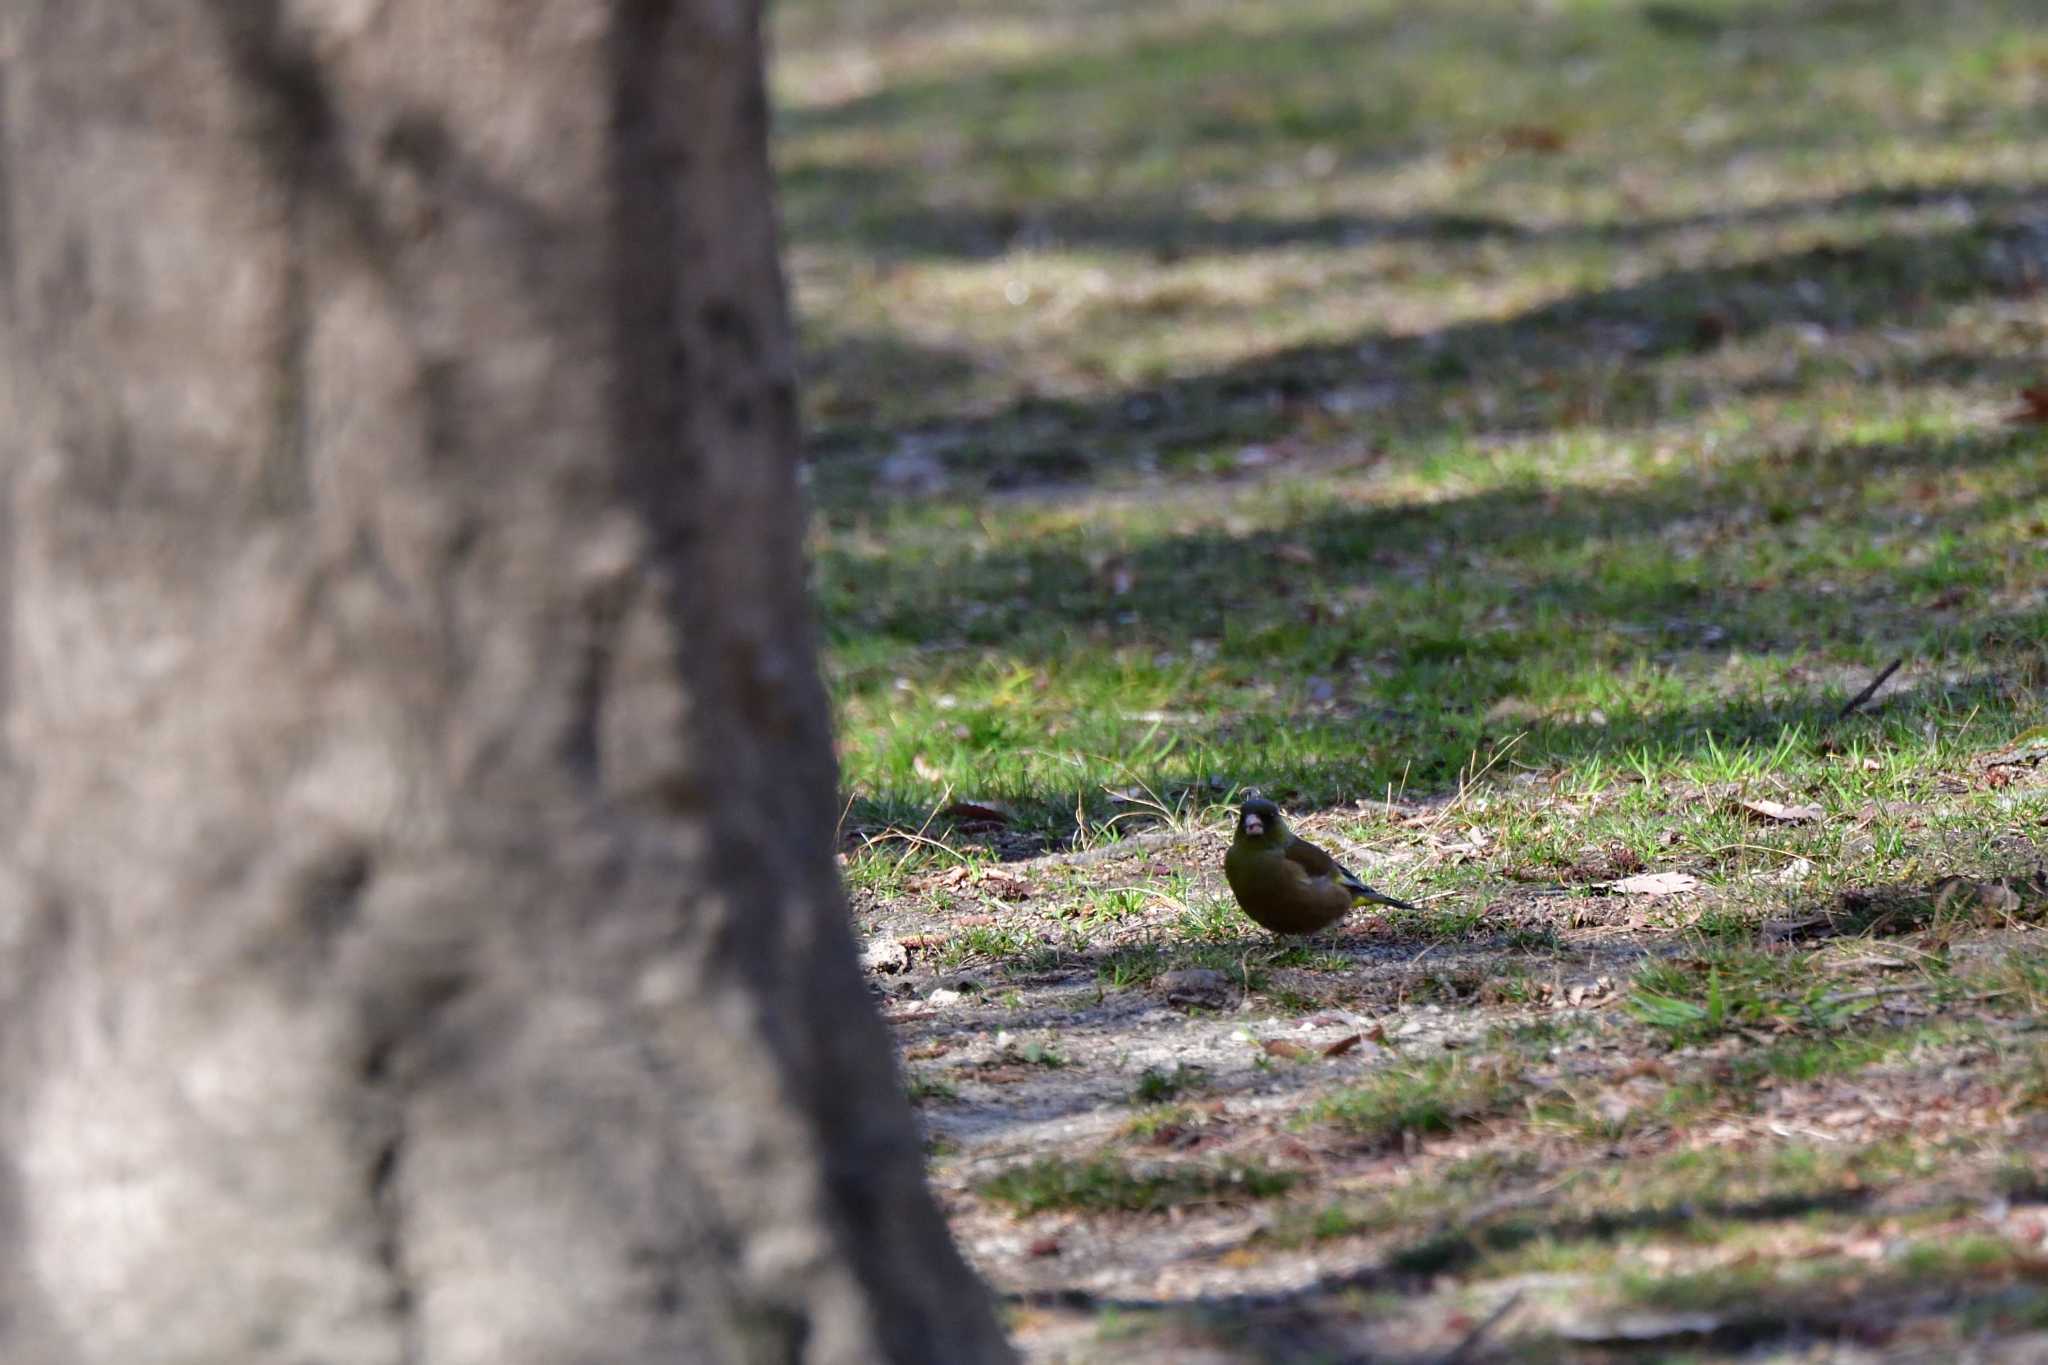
419,936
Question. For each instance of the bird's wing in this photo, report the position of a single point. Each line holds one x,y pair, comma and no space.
1316,863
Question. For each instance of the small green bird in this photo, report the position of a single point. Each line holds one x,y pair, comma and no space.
1285,882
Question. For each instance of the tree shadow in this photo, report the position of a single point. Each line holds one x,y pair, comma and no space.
1611,359
894,227
1102,144
1409,634
1120,148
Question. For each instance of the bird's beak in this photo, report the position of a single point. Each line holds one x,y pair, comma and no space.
1254,826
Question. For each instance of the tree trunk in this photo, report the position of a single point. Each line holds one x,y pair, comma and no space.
419,940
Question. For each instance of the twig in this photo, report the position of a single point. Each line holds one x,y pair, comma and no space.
1867,693
1462,1352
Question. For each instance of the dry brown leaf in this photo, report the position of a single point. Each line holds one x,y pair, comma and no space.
1294,552
1005,886
1343,1045
1780,813
970,814
2033,409
1378,1034
938,881
1283,1047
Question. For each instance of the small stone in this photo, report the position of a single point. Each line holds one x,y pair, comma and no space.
885,955
1195,987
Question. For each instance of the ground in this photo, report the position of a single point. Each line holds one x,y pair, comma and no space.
1513,436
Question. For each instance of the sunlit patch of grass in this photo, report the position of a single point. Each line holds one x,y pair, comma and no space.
983,942
1597,1219
1211,920
1723,990
1421,1101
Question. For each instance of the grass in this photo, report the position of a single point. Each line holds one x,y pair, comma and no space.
1506,435
1106,1184
1424,1101
1536,504
923,1087
1157,1085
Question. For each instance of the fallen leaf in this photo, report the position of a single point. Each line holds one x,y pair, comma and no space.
1343,1045
1781,813
1653,884
1005,886
1283,1047
1294,552
1196,987
1377,1034
936,881
976,814
1044,1246
2033,409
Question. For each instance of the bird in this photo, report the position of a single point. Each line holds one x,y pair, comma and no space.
1286,883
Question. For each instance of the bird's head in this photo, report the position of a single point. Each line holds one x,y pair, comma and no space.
1259,822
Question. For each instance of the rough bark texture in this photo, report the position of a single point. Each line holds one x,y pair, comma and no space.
419,940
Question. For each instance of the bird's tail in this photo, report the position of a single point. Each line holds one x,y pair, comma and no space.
1361,892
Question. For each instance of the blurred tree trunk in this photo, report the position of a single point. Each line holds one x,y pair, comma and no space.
419,940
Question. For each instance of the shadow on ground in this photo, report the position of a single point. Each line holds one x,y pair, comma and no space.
1411,635
1607,359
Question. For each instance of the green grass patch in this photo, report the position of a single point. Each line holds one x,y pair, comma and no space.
1157,1085
1106,1184
922,1086
1423,1101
